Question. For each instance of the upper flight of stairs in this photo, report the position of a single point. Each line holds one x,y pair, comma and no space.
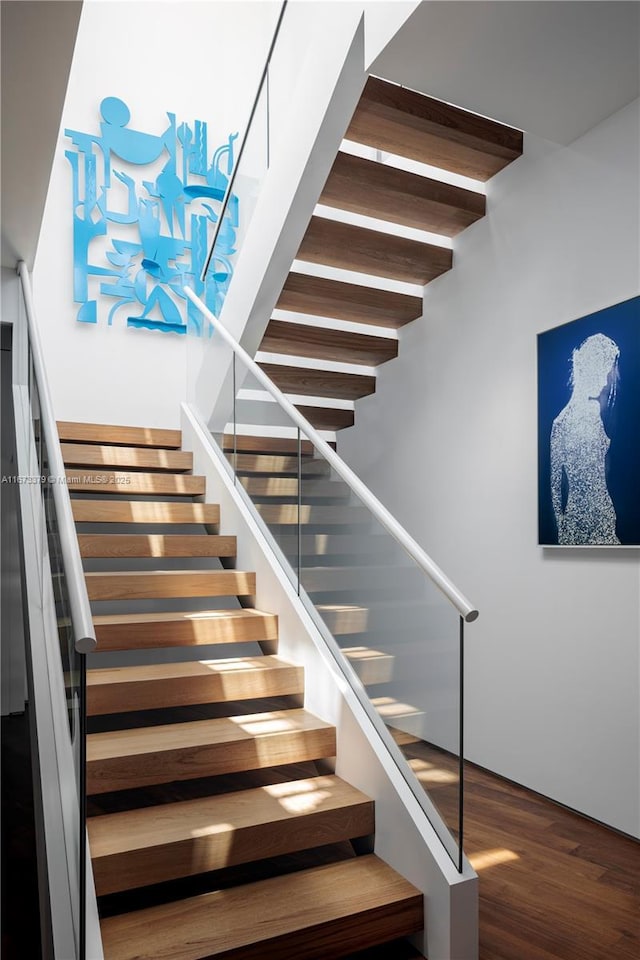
411,127
216,827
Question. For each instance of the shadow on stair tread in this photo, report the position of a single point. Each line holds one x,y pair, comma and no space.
200,711
177,790
174,890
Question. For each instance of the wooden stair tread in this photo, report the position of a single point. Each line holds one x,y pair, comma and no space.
297,339
155,545
121,759
277,465
409,124
315,546
126,585
147,630
312,514
102,433
344,618
318,296
150,845
371,666
249,444
98,677
387,193
122,689
319,383
90,454
129,482
313,488
319,579
138,511
349,247
315,914
327,418
140,741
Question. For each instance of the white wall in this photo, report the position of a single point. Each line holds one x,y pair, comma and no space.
553,661
199,60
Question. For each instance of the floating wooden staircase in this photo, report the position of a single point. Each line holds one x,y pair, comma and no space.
217,828
411,127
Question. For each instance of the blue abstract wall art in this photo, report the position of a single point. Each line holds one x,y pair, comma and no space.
589,430
140,237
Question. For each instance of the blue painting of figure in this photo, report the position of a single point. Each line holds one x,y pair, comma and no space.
589,430
145,206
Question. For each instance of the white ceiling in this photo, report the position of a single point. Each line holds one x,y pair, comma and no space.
38,38
554,68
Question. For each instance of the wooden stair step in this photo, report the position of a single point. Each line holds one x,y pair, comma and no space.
278,465
387,193
138,511
134,631
404,739
321,579
313,514
327,418
344,619
103,433
409,124
317,914
320,297
95,455
319,383
124,482
122,689
372,666
313,488
155,545
349,247
393,711
297,339
122,759
249,444
315,546
156,584
152,845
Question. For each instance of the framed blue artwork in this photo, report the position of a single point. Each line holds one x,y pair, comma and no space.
589,430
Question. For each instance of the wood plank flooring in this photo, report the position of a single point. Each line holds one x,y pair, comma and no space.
553,884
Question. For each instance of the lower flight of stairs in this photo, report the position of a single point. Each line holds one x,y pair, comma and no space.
217,828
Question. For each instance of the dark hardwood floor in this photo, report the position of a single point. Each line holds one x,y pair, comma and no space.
553,884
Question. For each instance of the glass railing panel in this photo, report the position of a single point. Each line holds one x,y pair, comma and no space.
73,668
260,449
241,195
396,630
243,186
395,636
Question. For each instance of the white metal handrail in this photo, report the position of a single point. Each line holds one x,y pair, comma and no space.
81,619
380,512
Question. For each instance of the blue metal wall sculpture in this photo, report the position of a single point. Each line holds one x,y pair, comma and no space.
155,232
